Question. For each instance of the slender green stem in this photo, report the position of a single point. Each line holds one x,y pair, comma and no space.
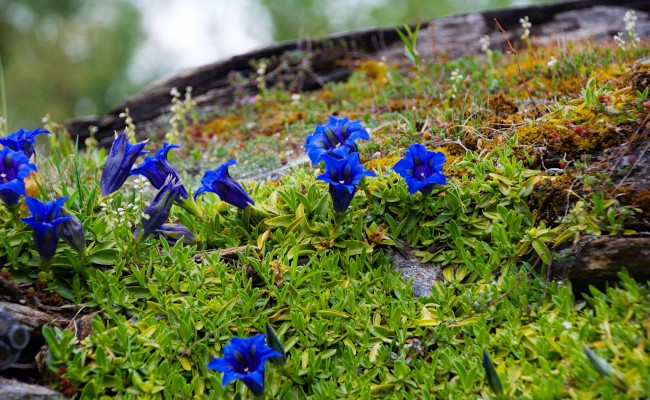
15,215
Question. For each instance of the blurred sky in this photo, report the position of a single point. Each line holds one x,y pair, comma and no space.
189,33
81,57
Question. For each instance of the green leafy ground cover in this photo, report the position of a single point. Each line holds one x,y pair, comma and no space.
325,282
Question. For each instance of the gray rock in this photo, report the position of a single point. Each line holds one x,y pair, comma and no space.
411,267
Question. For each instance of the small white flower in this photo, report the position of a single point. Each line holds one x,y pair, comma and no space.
525,23
630,20
261,69
567,325
552,62
619,40
456,76
485,43
45,120
295,97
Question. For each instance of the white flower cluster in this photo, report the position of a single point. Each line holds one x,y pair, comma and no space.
130,126
118,214
485,44
456,76
525,23
456,81
630,28
139,183
179,109
630,25
619,40
552,62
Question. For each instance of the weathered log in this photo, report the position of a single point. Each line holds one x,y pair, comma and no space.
453,36
31,318
11,389
598,260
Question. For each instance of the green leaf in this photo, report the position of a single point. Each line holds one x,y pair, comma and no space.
353,247
542,251
333,314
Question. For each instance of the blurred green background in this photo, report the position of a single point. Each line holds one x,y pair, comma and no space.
82,57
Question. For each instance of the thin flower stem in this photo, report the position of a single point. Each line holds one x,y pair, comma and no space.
518,64
15,214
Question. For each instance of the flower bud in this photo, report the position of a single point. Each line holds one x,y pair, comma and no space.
491,375
72,232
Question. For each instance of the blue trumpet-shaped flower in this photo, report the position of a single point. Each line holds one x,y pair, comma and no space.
14,168
337,137
157,168
221,183
45,219
119,163
244,359
343,175
175,232
158,211
22,140
421,169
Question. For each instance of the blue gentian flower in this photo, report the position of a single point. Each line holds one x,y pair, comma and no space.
491,375
221,183
336,137
119,163
244,359
22,140
72,232
14,168
45,219
157,168
421,169
343,175
158,211
174,232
